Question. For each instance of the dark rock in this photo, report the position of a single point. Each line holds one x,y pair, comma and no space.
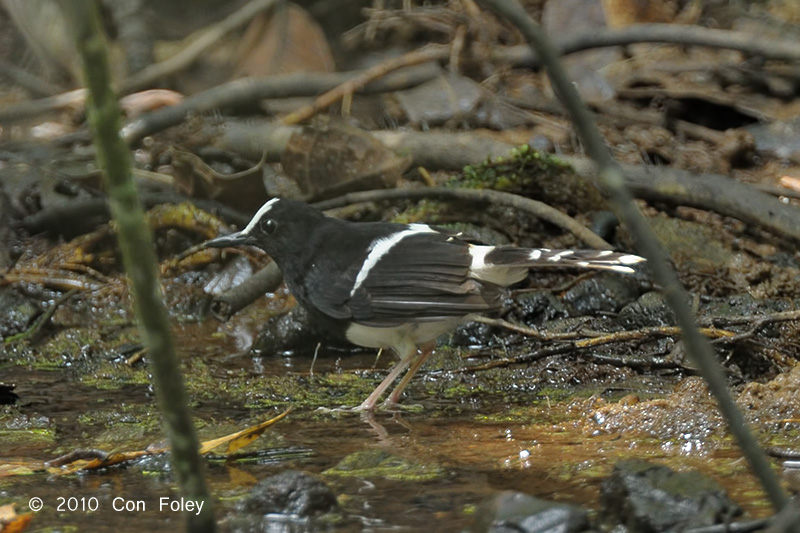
646,497
292,332
7,395
605,292
649,310
693,246
294,493
19,312
517,512
473,335
286,333
538,306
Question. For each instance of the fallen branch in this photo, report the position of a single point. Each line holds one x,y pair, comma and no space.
752,44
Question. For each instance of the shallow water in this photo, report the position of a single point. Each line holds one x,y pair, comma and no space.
475,448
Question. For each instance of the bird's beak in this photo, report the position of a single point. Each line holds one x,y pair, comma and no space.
234,239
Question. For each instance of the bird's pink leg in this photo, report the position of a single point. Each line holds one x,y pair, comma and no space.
372,400
424,352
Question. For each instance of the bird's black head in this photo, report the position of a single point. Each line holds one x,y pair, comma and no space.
278,227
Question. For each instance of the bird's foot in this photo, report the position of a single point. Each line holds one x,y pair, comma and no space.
395,407
342,409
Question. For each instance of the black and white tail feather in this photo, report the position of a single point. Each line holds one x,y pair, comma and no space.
507,265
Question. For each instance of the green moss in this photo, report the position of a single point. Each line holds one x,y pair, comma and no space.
109,375
303,392
534,174
787,438
518,169
380,463
469,509
427,210
34,438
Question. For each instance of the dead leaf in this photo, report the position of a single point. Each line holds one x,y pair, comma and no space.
193,177
239,440
336,159
10,521
281,42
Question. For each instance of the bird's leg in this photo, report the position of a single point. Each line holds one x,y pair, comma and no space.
372,400
424,352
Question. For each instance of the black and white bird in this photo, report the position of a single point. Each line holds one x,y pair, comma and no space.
398,286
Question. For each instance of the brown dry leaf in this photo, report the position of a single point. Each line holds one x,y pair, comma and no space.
239,440
240,478
10,521
336,159
626,12
790,182
281,42
193,177
20,468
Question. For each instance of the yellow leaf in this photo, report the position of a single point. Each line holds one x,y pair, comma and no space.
239,440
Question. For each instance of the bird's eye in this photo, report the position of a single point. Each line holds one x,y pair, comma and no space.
268,226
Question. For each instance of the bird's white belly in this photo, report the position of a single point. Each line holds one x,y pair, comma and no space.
403,339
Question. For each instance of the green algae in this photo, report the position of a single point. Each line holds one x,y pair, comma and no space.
382,464
533,174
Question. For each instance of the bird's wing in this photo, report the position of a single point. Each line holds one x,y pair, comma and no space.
421,277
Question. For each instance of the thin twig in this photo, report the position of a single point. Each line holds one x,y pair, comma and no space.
748,43
582,340
577,340
42,320
428,53
34,85
756,320
541,353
